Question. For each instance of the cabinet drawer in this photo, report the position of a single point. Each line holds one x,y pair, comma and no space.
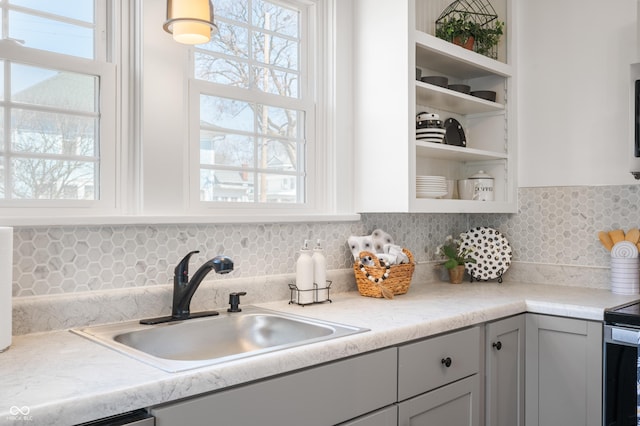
319,396
422,366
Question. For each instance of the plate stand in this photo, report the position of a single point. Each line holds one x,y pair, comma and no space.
499,277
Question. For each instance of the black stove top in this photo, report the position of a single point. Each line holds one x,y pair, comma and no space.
627,314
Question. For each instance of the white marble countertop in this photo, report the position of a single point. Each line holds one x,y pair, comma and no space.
64,379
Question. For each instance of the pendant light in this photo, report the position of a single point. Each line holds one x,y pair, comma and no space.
190,21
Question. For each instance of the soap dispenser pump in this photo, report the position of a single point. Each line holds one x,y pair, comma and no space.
320,272
304,275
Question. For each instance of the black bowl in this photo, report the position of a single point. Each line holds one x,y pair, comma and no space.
436,80
488,95
462,88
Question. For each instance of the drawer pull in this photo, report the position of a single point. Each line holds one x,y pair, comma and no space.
497,345
446,361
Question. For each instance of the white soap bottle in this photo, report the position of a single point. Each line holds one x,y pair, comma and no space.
304,275
320,272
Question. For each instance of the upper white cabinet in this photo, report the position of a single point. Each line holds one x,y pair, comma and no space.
391,39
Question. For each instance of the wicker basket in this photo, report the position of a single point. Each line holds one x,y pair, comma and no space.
381,280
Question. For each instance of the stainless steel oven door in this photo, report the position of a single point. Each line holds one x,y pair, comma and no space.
621,400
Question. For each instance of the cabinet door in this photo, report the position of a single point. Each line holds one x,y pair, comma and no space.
563,378
505,372
457,404
385,417
324,395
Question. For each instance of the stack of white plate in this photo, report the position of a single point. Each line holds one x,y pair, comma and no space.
430,134
431,186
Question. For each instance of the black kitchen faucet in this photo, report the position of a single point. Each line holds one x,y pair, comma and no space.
184,289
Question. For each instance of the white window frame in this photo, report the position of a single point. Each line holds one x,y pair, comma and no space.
313,67
108,148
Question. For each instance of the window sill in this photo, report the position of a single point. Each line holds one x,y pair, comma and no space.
174,220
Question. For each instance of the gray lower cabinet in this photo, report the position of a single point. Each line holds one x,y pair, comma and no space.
563,377
505,368
439,380
326,395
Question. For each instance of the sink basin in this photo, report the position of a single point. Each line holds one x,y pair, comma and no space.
198,342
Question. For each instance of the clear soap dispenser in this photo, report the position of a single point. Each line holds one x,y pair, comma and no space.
304,275
320,272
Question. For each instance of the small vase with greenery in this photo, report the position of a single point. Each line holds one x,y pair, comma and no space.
456,258
464,31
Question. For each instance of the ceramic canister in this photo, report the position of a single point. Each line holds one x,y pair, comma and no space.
482,186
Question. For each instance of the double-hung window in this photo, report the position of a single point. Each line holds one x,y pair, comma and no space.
253,102
57,106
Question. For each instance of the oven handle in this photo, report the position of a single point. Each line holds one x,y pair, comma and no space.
622,335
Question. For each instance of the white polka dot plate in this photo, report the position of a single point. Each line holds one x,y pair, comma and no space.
490,249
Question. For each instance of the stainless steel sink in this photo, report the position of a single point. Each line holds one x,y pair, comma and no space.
195,343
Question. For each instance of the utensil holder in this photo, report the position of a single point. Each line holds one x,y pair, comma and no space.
625,275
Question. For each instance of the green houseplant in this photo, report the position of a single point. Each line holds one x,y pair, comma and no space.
464,31
456,258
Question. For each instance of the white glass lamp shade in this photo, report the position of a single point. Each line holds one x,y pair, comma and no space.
190,21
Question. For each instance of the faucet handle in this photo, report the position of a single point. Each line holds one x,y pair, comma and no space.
234,301
182,269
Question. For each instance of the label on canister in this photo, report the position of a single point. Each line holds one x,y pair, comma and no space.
482,186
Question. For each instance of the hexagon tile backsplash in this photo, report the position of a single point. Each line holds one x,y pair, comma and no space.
74,259
555,226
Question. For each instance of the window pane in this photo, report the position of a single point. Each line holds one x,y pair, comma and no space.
226,113
278,121
2,147
277,82
2,79
222,71
51,133
238,10
278,155
277,189
226,149
2,159
81,10
50,35
44,179
232,40
59,89
2,129
275,18
224,185
274,50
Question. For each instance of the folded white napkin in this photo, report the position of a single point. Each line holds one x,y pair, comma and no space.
396,251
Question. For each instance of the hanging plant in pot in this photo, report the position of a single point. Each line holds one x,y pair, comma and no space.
477,31
460,31
456,258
